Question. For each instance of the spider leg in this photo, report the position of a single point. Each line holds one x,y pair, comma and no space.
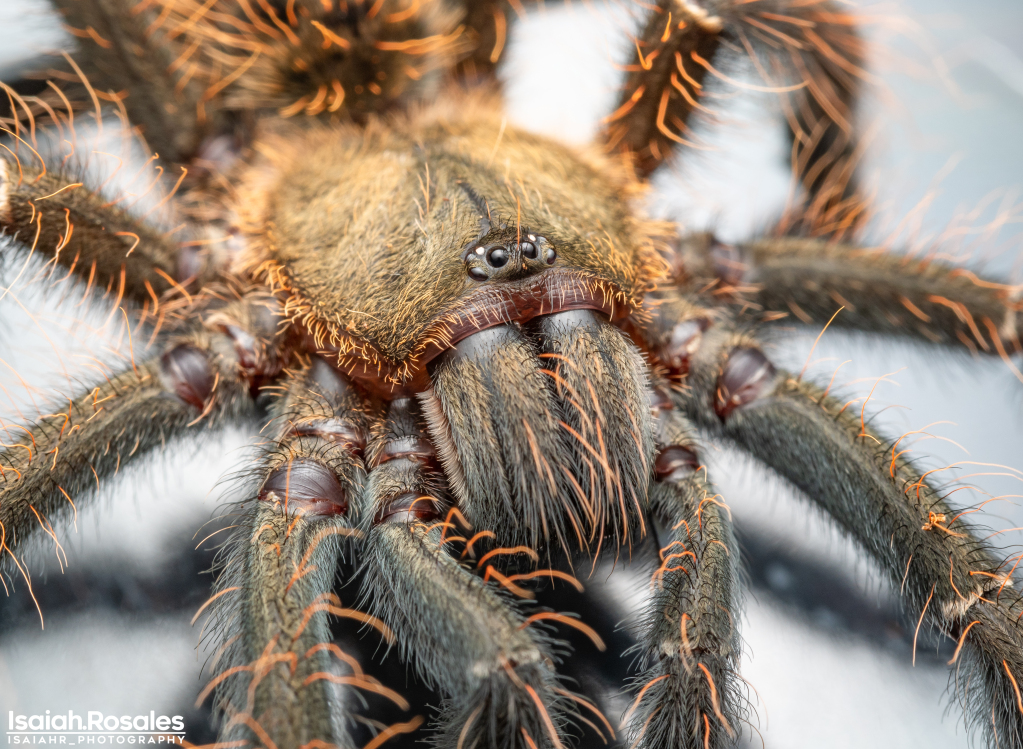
202,380
188,72
128,54
688,690
811,46
664,84
70,226
276,678
462,635
899,515
466,639
488,25
880,292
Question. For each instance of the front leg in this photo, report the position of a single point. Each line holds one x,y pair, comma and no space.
467,640
688,692
459,632
277,677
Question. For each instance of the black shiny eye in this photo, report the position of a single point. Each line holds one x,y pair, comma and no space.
550,256
478,273
497,256
528,250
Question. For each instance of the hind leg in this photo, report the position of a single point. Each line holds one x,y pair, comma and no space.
688,692
807,51
128,54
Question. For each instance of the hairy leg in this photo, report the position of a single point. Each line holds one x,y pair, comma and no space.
463,638
276,674
67,225
202,379
664,84
487,28
688,690
900,516
196,78
487,25
126,54
807,50
881,292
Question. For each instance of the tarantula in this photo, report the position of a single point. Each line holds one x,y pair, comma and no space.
482,365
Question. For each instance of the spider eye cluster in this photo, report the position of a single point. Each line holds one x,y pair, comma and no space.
525,255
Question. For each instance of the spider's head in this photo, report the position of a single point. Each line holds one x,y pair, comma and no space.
391,251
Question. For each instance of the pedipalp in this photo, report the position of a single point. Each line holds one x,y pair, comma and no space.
276,677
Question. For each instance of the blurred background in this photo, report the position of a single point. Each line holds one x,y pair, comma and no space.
827,647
